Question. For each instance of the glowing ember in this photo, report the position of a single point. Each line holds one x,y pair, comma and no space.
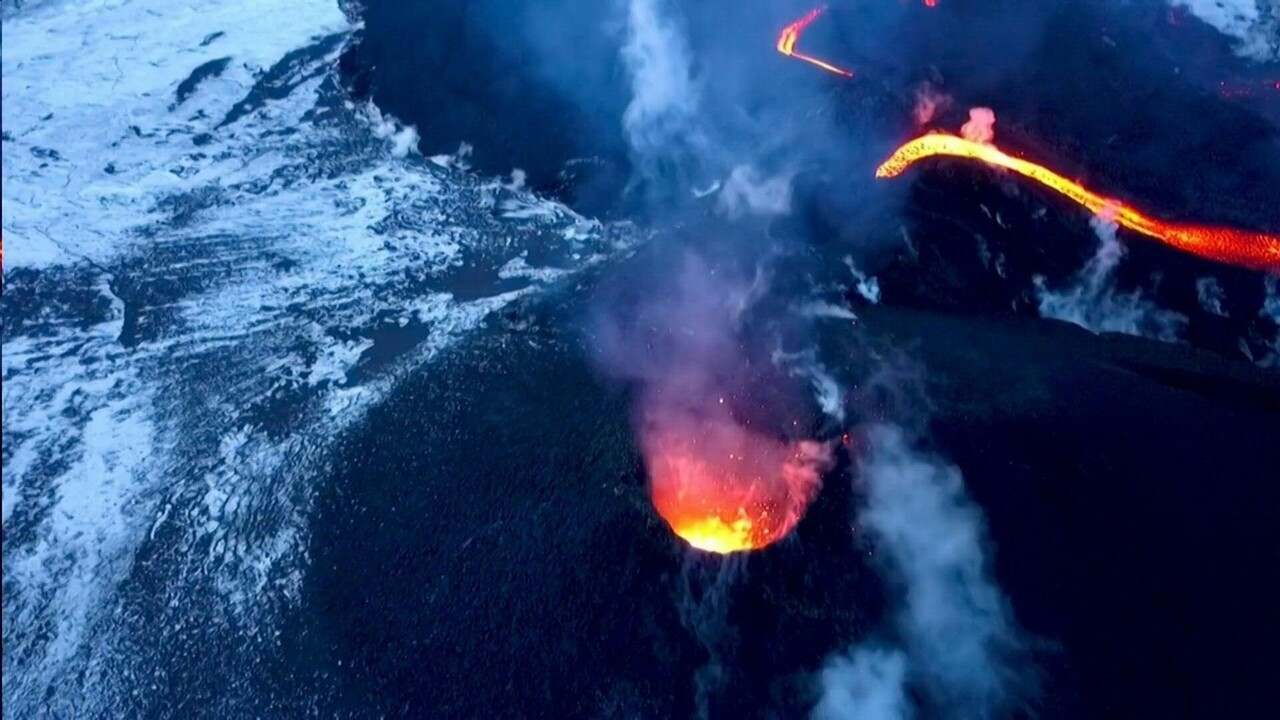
791,34
725,489
1249,90
1245,248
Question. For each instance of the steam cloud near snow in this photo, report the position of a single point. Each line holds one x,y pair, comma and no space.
676,131
662,116
953,636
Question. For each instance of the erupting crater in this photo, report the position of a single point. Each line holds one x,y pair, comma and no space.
723,488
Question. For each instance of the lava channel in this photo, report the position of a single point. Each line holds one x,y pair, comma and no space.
790,35
724,489
1244,248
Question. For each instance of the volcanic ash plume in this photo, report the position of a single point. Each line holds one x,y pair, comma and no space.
956,627
981,127
929,101
721,483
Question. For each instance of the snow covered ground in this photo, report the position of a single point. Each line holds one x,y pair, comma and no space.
214,263
1254,24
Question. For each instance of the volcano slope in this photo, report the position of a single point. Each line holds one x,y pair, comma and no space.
1128,99
487,546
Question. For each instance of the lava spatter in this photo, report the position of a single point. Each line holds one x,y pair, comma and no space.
724,488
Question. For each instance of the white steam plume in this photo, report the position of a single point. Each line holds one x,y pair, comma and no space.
1093,301
671,131
869,684
747,192
1271,311
827,390
866,285
661,121
955,626
956,621
1211,295
403,138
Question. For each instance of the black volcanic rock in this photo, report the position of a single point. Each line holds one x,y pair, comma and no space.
487,546
474,73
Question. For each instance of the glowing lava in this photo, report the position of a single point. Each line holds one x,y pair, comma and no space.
791,34
725,489
1244,248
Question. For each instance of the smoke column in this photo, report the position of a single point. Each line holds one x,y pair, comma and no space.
928,102
955,630
676,330
1271,310
720,484
661,120
981,127
868,684
1093,301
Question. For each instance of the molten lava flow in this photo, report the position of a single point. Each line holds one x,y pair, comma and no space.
725,489
1245,248
791,34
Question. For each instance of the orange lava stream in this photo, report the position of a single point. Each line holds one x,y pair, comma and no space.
1245,248
725,492
791,34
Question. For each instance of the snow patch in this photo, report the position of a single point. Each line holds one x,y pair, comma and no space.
1253,24
242,246
518,267
87,100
